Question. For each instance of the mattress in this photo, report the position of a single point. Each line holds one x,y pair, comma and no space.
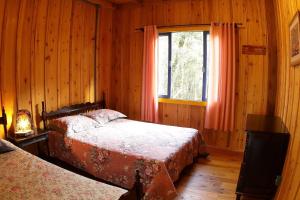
113,153
25,176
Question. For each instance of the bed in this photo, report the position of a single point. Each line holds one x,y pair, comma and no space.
115,150
25,176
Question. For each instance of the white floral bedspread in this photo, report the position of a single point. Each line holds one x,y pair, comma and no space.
25,176
113,153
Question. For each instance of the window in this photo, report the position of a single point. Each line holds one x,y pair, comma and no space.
182,65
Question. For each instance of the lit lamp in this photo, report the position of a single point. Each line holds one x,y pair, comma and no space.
23,123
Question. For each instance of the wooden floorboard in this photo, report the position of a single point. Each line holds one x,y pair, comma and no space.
214,178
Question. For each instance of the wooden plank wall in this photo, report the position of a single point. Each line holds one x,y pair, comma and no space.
47,53
182,115
288,99
253,71
104,54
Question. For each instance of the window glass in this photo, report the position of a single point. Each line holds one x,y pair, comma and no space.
163,60
187,64
182,65
207,66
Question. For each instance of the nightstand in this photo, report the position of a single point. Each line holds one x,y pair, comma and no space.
39,136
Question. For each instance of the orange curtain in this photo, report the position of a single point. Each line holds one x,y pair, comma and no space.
222,75
149,107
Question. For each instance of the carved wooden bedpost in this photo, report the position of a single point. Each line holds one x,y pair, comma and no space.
138,186
103,100
4,117
43,114
136,192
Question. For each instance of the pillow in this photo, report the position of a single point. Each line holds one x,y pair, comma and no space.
5,148
103,116
73,124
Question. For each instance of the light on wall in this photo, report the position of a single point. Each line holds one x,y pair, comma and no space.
23,123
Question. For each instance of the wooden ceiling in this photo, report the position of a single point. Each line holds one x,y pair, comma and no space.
124,1
112,3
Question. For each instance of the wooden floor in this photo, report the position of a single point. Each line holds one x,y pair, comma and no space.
213,178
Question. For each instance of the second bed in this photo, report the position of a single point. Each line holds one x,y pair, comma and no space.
113,150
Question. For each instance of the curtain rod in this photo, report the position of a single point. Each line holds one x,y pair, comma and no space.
185,25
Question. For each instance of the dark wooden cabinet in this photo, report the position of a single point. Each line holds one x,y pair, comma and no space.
264,156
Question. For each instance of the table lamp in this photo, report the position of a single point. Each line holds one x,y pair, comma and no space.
23,123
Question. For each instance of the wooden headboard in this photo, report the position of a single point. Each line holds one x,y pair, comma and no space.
71,110
3,120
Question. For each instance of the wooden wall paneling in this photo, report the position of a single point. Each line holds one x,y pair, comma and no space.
104,66
222,140
146,16
281,90
2,13
292,160
8,58
294,128
219,7
289,110
272,53
295,101
249,91
184,115
115,75
280,48
38,59
160,113
237,137
76,56
170,11
170,115
125,53
64,43
199,15
51,54
24,48
288,86
157,8
197,112
88,57
181,12
83,50
85,71
252,69
92,52
136,50
288,98
98,52
120,84
294,188
256,64
136,88
35,49
34,106
115,65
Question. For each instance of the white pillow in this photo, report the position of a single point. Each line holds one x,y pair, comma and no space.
103,116
73,124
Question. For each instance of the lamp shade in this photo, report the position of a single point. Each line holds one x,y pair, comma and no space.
23,122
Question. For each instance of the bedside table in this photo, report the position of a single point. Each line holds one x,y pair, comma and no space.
38,136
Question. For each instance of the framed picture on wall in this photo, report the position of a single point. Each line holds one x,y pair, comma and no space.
295,39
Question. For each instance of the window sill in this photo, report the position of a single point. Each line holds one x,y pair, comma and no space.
182,102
